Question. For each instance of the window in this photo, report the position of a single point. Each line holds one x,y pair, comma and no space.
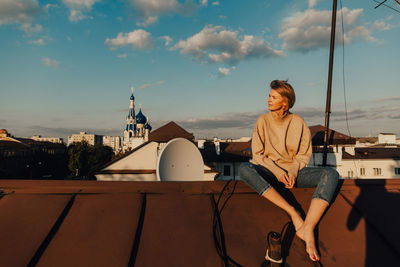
397,171
227,170
362,171
377,171
350,174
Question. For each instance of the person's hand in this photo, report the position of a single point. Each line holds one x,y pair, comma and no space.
287,179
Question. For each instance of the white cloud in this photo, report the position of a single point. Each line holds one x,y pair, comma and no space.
308,30
78,8
49,62
204,2
312,3
216,44
167,39
22,13
394,116
147,21
225,71
139,39
30,28
37,42
147,85
149,11
122,56
380,25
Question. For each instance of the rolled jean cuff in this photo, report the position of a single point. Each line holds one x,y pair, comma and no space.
324,199
266,189
253,175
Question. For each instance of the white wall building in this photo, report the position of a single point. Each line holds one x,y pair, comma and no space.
369,158
225,156
140,164
56,140
92,139
386,138
114,142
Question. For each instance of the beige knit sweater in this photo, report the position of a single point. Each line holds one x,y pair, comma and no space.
281,144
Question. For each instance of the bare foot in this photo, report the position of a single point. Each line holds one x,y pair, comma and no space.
307,235
296,220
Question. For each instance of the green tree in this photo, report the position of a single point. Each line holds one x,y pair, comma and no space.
85,159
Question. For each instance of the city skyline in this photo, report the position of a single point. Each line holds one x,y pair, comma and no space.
67,66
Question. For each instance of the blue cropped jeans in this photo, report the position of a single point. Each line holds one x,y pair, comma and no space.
323,178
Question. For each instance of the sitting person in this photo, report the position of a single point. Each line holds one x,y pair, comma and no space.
281,148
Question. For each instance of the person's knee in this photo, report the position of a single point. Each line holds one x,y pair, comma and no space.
244,170
331,176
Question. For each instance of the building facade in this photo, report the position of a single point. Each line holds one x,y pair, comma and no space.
140,163
56,140
25,158
114,142
92,139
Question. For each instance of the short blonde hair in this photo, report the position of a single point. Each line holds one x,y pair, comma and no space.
285,90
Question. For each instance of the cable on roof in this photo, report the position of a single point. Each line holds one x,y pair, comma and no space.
218,231
43,246
138,234
344,83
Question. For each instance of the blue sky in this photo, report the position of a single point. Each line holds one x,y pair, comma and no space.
68,65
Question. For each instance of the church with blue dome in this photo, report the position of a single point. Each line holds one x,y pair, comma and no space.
137,127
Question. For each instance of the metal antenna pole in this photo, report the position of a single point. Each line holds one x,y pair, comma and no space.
329,91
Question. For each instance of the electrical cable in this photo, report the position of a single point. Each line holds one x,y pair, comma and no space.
344,83
387,6
218,232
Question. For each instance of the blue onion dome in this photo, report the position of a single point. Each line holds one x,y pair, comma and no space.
147,127
140,118
132,97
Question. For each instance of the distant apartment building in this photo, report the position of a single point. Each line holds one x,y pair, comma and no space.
114,142
56,140
387,138
225,155
371,163
27,158
92,139
364,158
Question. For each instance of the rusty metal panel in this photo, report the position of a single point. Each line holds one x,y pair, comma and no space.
361,228
247,219
177,232
98,231
25,221
378,207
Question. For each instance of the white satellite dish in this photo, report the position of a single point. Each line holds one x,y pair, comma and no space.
180,160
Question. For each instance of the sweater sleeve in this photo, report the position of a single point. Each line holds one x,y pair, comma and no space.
258,148
305,149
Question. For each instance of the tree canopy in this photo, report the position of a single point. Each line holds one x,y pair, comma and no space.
86,159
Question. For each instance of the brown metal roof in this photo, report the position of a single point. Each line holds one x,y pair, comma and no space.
93,223
334,137
374,153
229,152
11,144
170,131
126,172
239,148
